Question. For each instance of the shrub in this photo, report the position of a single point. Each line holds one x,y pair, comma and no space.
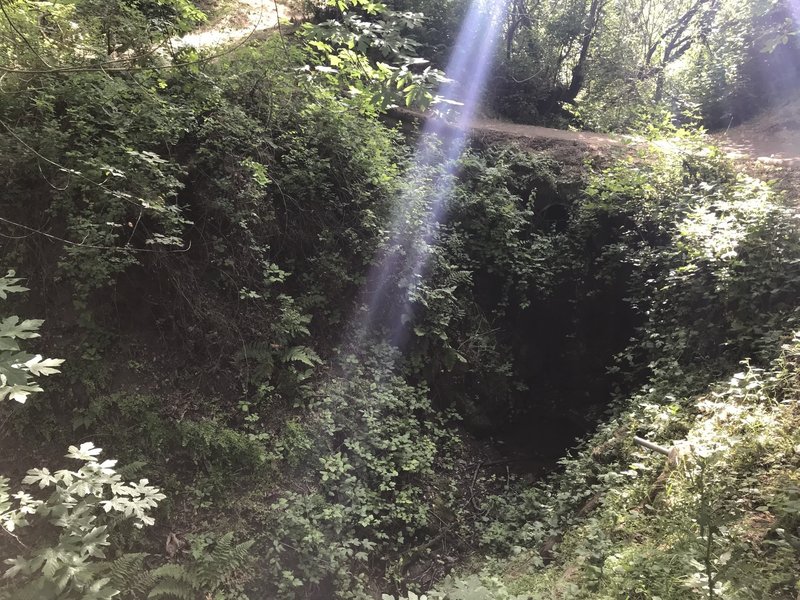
70,528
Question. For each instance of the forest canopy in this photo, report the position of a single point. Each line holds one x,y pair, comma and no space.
609,64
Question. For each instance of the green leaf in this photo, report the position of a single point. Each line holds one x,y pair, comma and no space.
51,562
18,565
302,354
47,366
8,285
8,345
40,476
86,452
12,328
18,393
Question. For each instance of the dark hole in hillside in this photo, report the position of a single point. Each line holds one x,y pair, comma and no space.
562,344
555,217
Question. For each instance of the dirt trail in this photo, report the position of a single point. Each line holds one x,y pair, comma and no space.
571,149
767,147
595,141
771,140
245,18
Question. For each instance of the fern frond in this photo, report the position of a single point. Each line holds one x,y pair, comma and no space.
126,568
260,358
129,576
171,588
302,354
224,559
222,550
172,571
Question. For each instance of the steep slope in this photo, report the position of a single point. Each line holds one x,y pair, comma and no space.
708,254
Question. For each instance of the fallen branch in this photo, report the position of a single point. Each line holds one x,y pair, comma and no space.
651,446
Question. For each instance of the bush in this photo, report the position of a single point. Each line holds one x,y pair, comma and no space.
382,456
70,529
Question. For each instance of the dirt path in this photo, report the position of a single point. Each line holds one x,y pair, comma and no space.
767,147
571,149
595,141
771,140
245,18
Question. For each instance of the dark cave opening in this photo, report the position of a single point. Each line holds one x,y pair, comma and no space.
563,343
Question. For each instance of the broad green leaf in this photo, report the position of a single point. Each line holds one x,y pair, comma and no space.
8,285
86,452
44,366
11,327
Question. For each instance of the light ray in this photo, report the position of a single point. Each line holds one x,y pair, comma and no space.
467,74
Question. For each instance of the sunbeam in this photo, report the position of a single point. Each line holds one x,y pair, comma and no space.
467,74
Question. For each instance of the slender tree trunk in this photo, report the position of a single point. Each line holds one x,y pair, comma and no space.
520,17
579,70
512,30
660,81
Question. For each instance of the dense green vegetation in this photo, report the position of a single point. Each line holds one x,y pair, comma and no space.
196,228
610,64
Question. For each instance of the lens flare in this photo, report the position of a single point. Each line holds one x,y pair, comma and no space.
794,8
408,254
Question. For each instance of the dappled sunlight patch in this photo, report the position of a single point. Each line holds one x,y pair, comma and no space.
713,231
244,19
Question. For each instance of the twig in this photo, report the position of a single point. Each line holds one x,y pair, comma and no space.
527,79
19,541
728,128
280,29
20,34
472,488
52,185
651,446
92,246
135,227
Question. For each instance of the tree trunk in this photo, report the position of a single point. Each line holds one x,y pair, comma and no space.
519,17
579,70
